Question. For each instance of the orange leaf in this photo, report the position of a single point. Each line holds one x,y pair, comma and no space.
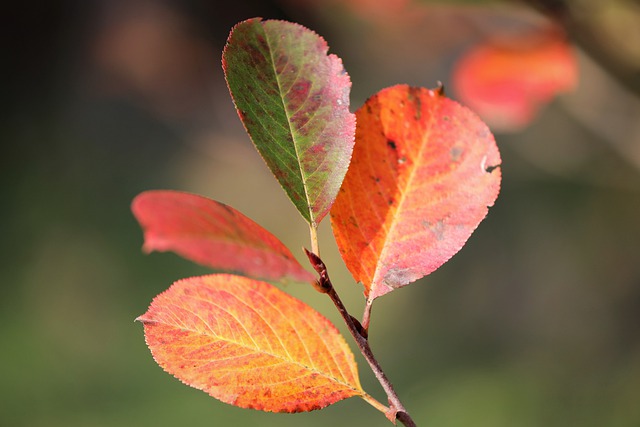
249,344
507,83
421,178
213,234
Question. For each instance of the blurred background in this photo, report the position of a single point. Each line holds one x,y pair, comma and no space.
535,322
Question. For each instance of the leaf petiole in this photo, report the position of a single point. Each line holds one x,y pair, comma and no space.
373,402
366,317
313,231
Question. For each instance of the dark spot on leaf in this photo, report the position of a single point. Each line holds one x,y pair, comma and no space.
437,229
300,119
257,55
227,209
490,169
301,87
297,97
445,118
456,153
414,96
319,148
391,144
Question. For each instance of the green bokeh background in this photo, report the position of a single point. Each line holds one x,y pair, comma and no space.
535,322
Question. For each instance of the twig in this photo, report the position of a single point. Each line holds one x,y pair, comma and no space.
324,285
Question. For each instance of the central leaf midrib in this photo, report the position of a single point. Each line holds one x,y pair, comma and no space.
424,140
256,349
291,130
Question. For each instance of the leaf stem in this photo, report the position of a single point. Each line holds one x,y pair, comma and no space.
396,409
313,230
366,317
373,402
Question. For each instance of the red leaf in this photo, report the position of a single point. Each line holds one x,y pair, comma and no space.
249,344
422,176
213,234
507,83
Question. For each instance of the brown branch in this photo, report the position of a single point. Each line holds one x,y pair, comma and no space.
396,409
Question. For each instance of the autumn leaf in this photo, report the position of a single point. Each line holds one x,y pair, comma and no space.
249,344
214,235
507,81
423,173
293,100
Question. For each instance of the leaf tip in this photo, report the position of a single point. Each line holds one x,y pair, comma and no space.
232,32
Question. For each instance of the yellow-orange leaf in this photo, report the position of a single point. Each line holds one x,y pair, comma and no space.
422,176
249,344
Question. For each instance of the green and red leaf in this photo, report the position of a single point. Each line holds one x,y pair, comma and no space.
249,344
423,174
214,235
293,100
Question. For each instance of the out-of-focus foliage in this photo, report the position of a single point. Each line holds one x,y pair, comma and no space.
533,323
507,82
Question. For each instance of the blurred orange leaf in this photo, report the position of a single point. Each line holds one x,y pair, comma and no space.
506,83
249,344
421,178
213,234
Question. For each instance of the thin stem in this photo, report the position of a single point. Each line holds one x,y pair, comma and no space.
313,231
366,316
324,285
373,402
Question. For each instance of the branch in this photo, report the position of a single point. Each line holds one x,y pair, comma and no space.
324,285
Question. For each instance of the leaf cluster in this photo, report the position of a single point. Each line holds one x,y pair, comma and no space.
406,180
